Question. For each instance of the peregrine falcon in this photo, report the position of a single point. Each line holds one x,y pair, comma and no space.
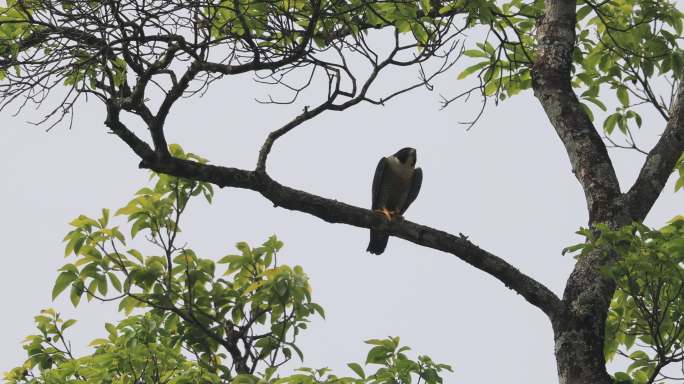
395,185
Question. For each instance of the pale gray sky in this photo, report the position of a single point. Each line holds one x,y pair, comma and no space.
506,184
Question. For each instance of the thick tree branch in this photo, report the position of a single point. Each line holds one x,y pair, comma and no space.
336,212
552,86
157,128
141,148
659,162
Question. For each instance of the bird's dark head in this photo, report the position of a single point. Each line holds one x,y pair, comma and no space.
407,156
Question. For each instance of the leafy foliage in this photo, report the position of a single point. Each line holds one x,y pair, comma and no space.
137,349
646,319
197,321
145,39
629,47
625,48
679,168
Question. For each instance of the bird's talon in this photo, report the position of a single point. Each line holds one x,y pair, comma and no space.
385,212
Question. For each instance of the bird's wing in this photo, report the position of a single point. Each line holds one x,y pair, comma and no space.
415,188
377,181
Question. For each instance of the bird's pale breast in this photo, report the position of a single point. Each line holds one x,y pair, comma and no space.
397,182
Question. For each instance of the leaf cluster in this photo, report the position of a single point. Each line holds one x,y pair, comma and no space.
137,349
645,324
247,314
114,50
630,47
196,320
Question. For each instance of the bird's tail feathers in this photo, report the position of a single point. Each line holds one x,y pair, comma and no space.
378,242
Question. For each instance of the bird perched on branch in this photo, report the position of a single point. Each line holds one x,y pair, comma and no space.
395,185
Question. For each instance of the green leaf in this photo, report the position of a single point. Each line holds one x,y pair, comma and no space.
78,245
629,340
679,184
138,226
97,342
491,88
76,240
135,253
475,53
622,377
596,102
318,309
245,378
68,324
111,328
573,248
300,354
420,34
116,283
75,294
101,284
487,47
377,355
641,376
403,26
357,369
84,221
583,12
473,68
610,122
127,305
63,281
588,111
105,218
230,259
622,123
623,96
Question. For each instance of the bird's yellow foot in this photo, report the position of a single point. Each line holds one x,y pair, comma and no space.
396,215
388,214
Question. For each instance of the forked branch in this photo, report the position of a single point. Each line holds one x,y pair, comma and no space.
659,163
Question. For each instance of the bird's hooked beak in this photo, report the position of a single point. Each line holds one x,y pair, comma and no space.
406,156
413,157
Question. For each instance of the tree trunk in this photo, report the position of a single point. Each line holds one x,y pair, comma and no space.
579,330
579,327
579,351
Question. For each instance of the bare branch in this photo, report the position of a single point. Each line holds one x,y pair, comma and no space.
659,163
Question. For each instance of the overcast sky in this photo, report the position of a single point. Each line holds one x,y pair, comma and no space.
506,184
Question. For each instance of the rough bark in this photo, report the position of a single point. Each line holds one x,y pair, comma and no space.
579,331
